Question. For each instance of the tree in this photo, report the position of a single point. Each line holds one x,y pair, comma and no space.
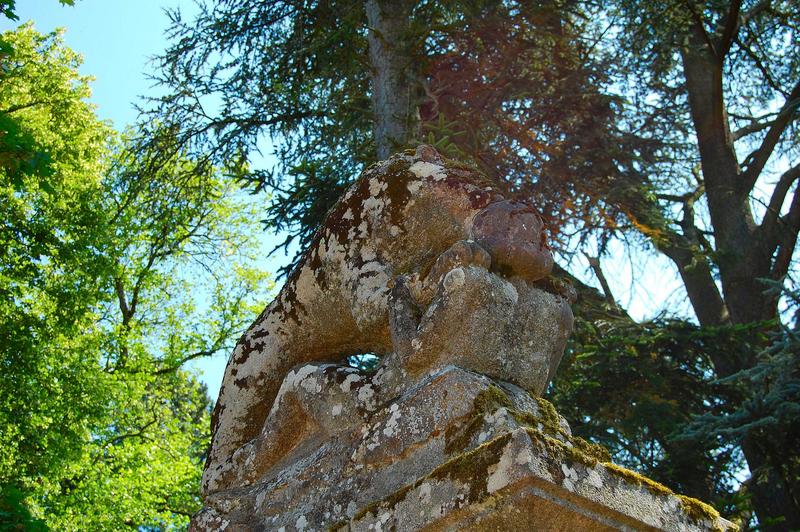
337,84
112,277
658,124
717,67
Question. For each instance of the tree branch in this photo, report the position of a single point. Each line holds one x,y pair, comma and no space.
768,77
123,300
730,28
758,159
187,358
683,249
594,263
20,107
768,226
753,11
700,27
753,127
790,225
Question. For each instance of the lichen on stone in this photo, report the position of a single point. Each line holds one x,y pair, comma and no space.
470,468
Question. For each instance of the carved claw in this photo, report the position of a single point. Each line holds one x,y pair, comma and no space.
463,253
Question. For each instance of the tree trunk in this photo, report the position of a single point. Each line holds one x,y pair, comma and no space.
740,257
772,497
394,93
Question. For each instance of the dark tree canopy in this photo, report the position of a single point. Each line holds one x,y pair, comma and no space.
528,113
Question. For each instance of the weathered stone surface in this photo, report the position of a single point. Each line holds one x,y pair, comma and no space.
513,233
406,221
457,451
477,320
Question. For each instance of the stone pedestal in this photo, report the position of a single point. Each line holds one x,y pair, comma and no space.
455,451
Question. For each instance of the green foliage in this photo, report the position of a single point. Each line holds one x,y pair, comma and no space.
489,75
649,393
14,513
769,407
112,275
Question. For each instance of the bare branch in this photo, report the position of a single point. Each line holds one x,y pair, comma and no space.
730,27
753,127
769,223
768,77
594,263
758,159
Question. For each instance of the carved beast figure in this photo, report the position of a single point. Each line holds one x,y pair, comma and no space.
420,259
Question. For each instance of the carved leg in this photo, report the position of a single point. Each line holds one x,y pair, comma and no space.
404,317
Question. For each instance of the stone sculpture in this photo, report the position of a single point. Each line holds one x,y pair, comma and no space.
421,261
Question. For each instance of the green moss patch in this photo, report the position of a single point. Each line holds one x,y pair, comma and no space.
471,468
548,416
698,510
695,509
488,401
458,437
652,486
598,452
558,450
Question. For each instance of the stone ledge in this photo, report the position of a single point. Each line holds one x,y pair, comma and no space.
517,482
455,450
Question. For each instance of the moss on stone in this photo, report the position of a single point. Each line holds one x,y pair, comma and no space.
547,423
695,509
470,468
388,502
588,448
590,454
558,450
459,165
339,526
458,437
640,480
548,416
698,510
491,398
